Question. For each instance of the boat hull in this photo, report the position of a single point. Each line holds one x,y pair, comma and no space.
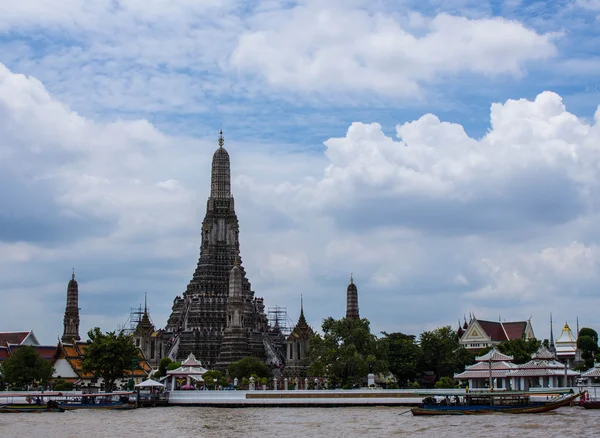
591,405
536,408
16,408
104,406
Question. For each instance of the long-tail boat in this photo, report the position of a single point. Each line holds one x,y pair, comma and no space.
31,405
491,402
55,401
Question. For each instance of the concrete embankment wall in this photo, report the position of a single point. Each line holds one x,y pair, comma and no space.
295,398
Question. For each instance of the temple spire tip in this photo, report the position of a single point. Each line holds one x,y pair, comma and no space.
221,139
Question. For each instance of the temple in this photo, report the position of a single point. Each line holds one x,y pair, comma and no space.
479,334
71,320
297,361
147,338
352,300
218,318
566,346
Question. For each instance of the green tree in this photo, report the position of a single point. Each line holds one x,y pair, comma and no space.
109,355
587,342
346,352
522,350
247,367
403,355
2,379
446,382
162,367
210,376
442,354
26,367
173,366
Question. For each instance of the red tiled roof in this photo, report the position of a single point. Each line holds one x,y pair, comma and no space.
45,351
493,330
12,337
515,330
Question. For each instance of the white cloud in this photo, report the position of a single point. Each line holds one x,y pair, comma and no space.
412,217
538,162
180,57
327,48
593,5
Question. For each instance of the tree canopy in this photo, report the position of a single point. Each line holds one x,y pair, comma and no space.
210,376
587,342
247,367
522,350
442,353
346,352
403,355
109,355
25,367
162,367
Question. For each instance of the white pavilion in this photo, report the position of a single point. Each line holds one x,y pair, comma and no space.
542,371
191,370
493,363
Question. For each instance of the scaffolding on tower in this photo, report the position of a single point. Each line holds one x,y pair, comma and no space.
278,316
135,317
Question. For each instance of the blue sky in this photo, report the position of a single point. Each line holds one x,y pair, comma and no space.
445,152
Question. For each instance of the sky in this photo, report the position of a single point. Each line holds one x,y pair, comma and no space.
446,153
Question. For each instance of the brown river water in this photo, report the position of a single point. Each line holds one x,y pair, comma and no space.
183,422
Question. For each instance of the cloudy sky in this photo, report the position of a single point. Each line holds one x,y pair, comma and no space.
445,152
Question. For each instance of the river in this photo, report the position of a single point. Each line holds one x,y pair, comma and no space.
183,422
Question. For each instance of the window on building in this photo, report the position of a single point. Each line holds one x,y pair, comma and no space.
299,355
137,342
291,346
152,349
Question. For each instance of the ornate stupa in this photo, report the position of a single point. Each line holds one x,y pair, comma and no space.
199,318
71,319
352,300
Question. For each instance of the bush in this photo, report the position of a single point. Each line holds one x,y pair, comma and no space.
446,382
63,386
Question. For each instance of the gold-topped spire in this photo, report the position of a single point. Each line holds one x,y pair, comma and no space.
221,139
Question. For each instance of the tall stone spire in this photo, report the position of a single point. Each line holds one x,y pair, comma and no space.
220,187
352,300
71,320
200,317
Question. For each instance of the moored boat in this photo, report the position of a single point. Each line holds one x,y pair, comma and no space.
15,408
112,400
53,401
493,402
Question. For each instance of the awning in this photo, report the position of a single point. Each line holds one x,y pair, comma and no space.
149,384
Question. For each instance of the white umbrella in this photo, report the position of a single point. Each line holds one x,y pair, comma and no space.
149,384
